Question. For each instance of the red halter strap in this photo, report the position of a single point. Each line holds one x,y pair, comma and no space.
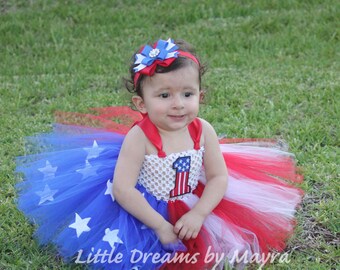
195,130
151,132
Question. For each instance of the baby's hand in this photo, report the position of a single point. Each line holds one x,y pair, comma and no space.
166,233
189,225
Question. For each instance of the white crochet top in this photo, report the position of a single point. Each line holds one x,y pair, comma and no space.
171,177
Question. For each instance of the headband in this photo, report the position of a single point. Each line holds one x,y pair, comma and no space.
163,53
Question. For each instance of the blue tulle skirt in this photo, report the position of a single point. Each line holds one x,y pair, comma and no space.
67,193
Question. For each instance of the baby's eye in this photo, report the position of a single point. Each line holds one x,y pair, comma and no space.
188,94
164,95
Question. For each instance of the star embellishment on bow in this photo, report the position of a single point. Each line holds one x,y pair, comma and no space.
163,49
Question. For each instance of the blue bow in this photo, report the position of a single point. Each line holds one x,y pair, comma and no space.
163,50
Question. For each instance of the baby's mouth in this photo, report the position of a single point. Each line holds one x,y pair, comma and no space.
177,116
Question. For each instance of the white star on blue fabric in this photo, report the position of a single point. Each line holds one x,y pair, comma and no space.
94,151
112,237
80,225
46,195
87,171
48,170
108,190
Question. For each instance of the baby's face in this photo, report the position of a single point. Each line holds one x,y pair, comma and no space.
172,99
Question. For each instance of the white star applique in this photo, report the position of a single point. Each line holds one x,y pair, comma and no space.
108,190
48,170
46,195
94,151
112,237
87,171
80,225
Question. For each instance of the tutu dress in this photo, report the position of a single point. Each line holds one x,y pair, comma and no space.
67,194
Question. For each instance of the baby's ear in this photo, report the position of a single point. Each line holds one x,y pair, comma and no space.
202,96
139,104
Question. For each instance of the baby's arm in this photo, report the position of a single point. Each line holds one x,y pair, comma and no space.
126,173
189,225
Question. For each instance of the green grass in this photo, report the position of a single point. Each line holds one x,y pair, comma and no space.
273,73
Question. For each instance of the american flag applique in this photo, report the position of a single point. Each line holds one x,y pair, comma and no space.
182,167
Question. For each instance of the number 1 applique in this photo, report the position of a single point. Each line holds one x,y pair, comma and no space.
182,167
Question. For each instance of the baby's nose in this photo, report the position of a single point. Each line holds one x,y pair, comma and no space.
178,102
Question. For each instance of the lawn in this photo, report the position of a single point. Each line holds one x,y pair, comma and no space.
273,72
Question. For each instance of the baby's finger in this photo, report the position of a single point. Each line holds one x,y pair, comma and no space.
182,233
188,235
194,235
178,226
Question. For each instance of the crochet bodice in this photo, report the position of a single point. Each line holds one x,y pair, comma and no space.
173,176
